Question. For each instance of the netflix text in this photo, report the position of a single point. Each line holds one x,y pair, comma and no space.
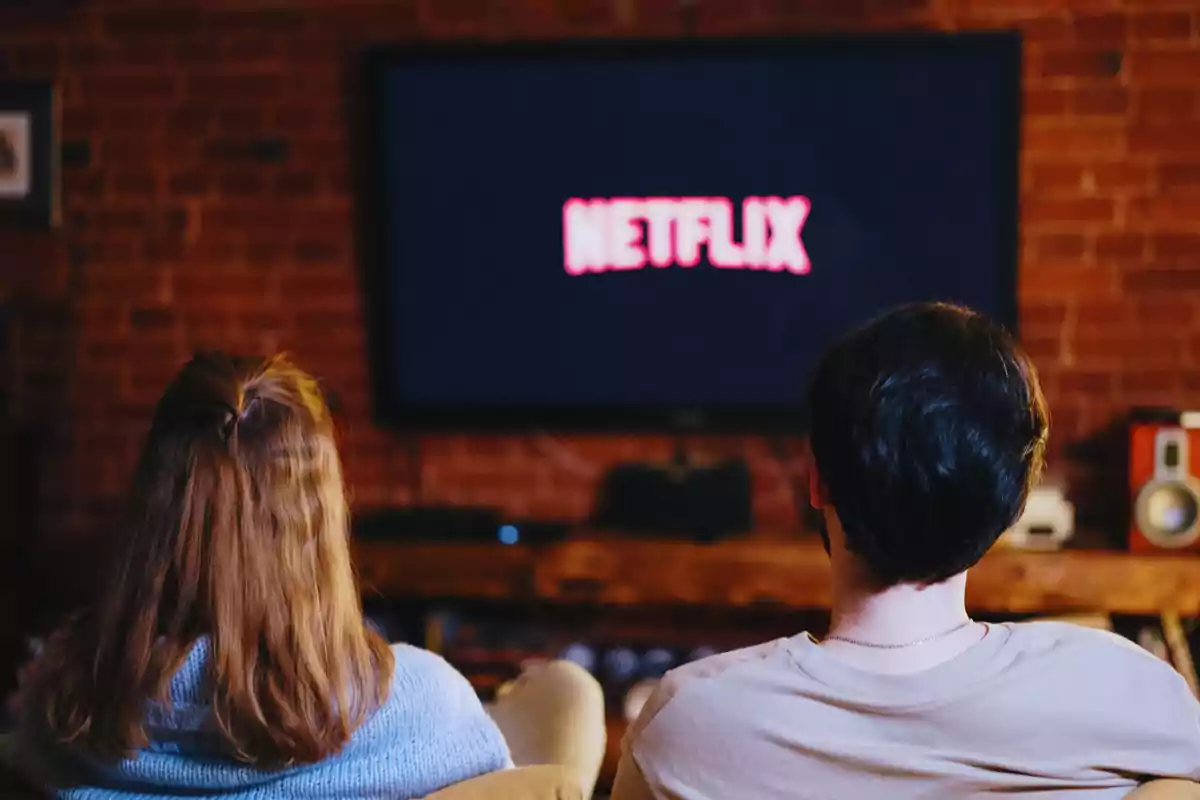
625,233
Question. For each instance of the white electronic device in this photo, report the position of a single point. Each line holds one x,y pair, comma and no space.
1046,524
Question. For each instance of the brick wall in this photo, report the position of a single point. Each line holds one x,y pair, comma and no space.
209,203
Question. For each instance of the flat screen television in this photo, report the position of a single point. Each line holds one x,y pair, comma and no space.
665,235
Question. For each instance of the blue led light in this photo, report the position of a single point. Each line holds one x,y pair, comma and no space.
509,534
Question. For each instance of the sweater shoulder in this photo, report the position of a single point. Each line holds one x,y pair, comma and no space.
422,676
427,692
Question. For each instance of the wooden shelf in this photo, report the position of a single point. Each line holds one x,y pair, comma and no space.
760,573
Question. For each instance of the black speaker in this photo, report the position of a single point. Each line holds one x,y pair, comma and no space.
703,503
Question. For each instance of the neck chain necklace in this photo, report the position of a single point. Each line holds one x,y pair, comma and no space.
879,646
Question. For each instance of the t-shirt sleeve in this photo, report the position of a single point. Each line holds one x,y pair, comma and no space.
1147,725
672,735
1178,754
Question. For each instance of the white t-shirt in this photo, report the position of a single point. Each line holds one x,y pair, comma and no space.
1040,709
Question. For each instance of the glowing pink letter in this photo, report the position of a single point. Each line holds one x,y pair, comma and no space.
691,230
585,231
787,222
660,214
722,252
625,234
754,232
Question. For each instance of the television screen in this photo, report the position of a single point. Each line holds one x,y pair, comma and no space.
669,234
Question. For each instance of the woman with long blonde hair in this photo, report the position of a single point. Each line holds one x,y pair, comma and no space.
227,654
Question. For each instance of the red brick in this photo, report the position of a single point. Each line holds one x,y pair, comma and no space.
190,120
1164,210
241,120
371,19
580,15
1043,314
1162,380
1046,102
1074,140
143,52
1158,279
312,250
246,217
78,184
1120,347
214,250
1070,279
460,17
188,184
1165,25
1056,176
1077,64
1163,137
298,184
137,152
124,278
1045,29
1164,313
42,58
144,319
1085,382
1123,246
101,319
293,120
1101,101
1176,247
257,20
246,86
159,251
201,287
152,21
87,55
275,248
135,86
1083,209
1179,175
1059,246
242,184
81,121
259,320
1120,176
258,50
1047,348
1097,30
134,184
1165,67
199,51
1172,103
1099,315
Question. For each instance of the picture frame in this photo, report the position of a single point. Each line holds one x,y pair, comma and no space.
29,155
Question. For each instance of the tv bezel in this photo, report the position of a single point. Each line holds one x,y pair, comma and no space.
391,411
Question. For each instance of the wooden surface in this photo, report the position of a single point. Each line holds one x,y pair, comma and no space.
765,573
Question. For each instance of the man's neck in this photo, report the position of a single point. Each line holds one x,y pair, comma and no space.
898,614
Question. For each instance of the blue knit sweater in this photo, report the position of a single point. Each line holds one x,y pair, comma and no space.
431,732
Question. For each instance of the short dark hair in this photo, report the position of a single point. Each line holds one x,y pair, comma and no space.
927,427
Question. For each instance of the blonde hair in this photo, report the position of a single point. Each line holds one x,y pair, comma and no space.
237,531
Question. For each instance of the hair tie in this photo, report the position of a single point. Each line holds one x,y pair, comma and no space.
229,427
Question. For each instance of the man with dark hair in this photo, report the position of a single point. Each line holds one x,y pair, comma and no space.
928,428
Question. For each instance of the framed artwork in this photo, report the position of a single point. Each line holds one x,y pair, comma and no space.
29,191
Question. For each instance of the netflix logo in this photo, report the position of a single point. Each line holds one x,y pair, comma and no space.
624,233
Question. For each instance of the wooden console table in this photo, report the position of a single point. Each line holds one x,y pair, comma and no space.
760,573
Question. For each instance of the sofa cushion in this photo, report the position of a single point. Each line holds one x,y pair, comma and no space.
523,783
